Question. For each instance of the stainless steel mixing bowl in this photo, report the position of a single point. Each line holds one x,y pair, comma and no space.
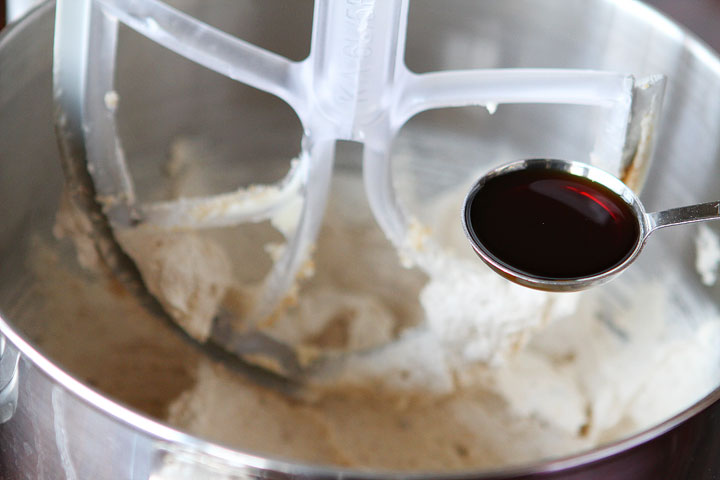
54,426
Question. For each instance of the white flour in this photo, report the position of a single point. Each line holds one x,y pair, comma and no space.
707,256
447,366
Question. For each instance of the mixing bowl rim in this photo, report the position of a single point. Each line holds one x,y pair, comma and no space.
160,432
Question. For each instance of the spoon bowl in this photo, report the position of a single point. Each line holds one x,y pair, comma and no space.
559,225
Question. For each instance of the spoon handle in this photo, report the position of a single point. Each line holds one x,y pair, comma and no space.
681,215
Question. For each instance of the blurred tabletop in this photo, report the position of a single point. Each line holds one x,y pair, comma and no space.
700,16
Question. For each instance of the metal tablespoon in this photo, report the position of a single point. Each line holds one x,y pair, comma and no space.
557,225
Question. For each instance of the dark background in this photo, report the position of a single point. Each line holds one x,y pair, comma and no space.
700,16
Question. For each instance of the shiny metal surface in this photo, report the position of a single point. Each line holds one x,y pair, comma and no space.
15,9
61,428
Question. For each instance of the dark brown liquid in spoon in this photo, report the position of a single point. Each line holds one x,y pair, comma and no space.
551,224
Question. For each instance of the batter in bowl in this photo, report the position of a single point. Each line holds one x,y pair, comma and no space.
453,370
